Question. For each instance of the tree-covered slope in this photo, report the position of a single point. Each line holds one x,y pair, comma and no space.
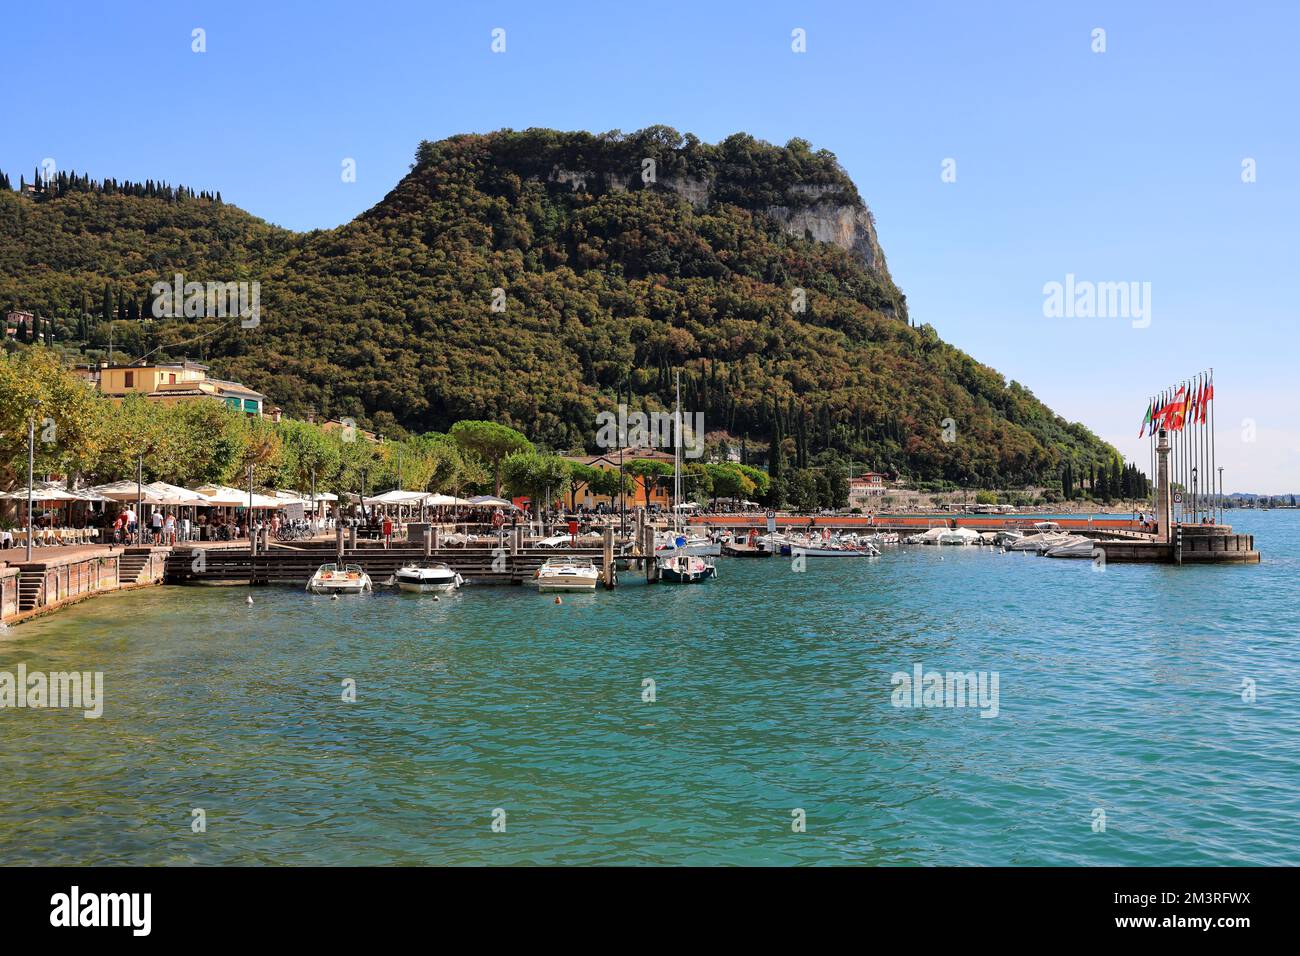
522,276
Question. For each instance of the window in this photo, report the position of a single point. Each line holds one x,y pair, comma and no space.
250,405
233,403
130,379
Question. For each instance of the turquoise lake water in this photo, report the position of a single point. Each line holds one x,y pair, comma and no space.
1119,691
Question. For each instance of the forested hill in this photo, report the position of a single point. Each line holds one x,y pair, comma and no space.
522,276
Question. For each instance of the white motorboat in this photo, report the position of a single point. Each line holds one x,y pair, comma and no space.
567,574
959,536
1077,547
927,537
1042,542
332,579
427,578
816,547
685,569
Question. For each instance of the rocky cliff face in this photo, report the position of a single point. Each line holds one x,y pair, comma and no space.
819,212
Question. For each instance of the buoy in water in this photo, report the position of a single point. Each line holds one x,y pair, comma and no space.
557,599
334,597
249,599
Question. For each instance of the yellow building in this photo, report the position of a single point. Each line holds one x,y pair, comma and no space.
660,490
171,383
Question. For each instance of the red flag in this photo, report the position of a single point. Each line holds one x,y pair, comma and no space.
1205,399
1176,410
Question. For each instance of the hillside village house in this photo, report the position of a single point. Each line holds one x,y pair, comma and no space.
660,491
865,488
14,317
171,383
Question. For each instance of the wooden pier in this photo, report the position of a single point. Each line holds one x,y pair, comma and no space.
295,564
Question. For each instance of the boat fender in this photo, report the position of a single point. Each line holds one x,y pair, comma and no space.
249,599
334,597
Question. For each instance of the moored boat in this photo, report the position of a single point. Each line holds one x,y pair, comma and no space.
331,579
959,536
685,569
680,543
1076,547
427,578
567,574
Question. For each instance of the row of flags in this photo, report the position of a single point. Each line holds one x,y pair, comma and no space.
1174,410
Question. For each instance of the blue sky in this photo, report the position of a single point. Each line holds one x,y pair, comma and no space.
1122,166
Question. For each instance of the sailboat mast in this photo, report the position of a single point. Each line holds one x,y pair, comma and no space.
677,451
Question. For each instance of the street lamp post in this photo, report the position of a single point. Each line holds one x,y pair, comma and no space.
139,499
31,469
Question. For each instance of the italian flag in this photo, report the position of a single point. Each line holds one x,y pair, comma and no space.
1146,420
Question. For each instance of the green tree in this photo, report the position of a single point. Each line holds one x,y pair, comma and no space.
492,442
649,471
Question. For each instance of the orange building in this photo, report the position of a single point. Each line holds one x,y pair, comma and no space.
660,489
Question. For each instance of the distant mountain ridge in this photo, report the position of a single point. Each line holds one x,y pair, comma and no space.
530,276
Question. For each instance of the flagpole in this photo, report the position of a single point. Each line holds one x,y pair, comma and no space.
1151,448
1175,459
1205,450
1187,450
1200,446
1213,449
1181,396
1193,473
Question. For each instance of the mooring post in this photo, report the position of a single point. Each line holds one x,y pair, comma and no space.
352,537
338,541
437,536
607,555
428,542
516,541
648,551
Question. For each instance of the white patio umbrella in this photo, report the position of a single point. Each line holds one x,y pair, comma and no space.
41,493
236,498
176,495
490,501
398,497
447,501
128,491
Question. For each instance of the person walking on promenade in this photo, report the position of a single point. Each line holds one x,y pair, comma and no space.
156,526
169,530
